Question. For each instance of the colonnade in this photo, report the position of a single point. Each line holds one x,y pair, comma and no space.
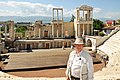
42,44
84,21
57,21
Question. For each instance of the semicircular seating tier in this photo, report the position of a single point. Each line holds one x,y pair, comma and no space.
111,47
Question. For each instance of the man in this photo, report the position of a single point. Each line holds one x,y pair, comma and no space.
80,63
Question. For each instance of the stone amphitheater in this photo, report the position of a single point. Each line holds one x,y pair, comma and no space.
111,47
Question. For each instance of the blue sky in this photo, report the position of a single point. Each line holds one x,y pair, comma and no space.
102,8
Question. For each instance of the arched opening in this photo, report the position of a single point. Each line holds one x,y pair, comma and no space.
45,33
47,45
89,43
67,34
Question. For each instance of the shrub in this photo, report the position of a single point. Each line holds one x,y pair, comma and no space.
101,34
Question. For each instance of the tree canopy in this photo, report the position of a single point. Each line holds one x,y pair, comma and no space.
21,29
118,21
97,24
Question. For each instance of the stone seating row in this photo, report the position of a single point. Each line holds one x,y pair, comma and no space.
111,48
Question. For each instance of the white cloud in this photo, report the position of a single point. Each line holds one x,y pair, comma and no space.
107,15
101,13
10,13
69,12
112,15
97,10
13,8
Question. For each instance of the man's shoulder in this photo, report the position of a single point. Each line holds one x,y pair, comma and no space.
73,52
85,54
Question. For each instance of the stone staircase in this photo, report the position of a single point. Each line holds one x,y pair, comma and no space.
112,48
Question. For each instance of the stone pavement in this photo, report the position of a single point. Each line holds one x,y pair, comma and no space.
37,59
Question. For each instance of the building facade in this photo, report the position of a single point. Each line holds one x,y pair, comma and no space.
57,23
84,21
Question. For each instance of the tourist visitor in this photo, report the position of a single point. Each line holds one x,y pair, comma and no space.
80,63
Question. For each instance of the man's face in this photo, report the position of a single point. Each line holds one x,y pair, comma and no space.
79,46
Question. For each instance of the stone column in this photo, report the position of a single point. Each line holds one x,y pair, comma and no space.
53,30
92,23
63,47
88,25
59,44
34,30
88,12
78,30
67,43
39,32
62,14
11,29
91,29
0,34
57,24
53,15
62,25
57,31
53,44
15,32
26,46
77,14
78,23
19,46
5,32
94,45
88,29
57,15
53,25
39,45
83,24
22,46
62,30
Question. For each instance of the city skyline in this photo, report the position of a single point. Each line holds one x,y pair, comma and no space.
102,9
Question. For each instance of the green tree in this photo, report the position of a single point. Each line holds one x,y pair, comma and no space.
97,24
3,28
21,29
118,22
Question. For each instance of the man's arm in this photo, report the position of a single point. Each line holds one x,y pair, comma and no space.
68,70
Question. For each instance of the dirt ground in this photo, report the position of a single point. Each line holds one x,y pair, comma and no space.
60,72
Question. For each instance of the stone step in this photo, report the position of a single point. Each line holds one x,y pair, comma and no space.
112,48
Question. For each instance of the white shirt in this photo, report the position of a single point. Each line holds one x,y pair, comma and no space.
77,61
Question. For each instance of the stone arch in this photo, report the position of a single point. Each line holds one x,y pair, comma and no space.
45,33
89,43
